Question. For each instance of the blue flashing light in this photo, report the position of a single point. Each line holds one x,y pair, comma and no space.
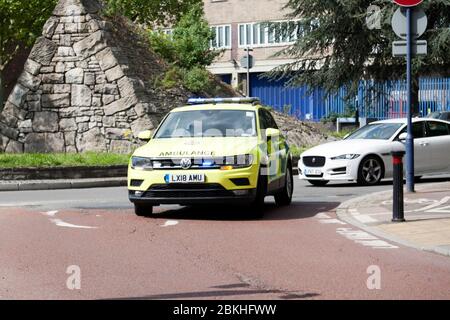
207,163
194,101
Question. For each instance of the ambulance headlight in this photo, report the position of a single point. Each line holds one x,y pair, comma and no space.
141,163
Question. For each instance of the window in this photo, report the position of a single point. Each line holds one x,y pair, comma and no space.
208,123
266,120
267,34
377,131
262,120
436,129
222,37
271,120
418,130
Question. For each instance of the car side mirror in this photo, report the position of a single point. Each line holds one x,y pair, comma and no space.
271,132
145,135
402,136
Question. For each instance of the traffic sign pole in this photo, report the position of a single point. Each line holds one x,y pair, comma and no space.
248,49
409,137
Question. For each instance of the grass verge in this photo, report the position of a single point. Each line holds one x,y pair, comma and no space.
40,160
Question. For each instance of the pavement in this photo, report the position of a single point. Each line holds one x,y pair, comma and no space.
427,214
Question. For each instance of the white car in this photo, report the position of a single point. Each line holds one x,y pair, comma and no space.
365,155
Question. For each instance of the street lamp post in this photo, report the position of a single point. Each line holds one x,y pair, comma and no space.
248,66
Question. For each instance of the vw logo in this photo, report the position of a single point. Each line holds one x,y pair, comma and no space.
185,163
313,160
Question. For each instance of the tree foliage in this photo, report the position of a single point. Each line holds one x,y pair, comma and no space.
151,12
187,49
20,24
189,44
338,48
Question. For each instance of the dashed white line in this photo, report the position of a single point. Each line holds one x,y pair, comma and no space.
376,244
325,218
332,221
64,224
50,213
322,215
364,238
170,223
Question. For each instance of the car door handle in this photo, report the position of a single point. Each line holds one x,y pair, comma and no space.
424,144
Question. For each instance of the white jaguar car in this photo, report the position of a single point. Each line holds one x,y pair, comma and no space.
365,155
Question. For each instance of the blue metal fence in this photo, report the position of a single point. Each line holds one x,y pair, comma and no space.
296,101
374,100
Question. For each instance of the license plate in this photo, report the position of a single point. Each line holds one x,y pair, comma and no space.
313,172
185,178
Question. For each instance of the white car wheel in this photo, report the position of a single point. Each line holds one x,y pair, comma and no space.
370,171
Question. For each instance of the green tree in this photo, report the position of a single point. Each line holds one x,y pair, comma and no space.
150,12
187,49
189,44
20,24
338,48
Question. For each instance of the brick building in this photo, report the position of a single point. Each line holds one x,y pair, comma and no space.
239,24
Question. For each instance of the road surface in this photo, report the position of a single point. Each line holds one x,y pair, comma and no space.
88,244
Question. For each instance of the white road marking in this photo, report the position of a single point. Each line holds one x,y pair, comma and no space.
61,223
377,244
170,223
434,205
440,210
364,218
322,215
335,221
412,201
364,238
50,213
324,218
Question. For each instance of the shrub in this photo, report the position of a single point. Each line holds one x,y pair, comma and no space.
172,78
197,79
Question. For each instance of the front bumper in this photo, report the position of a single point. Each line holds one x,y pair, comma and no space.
192,196
333,170
220,186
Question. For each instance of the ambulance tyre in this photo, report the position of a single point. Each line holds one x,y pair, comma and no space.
143,210
257,206
284,197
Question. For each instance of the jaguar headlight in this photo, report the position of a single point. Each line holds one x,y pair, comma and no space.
348,156
140,163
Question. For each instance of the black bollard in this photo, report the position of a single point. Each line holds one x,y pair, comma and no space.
397,199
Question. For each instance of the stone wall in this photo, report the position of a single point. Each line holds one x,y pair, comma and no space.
88,85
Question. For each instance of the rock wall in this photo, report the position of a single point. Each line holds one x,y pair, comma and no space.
302,134
88,85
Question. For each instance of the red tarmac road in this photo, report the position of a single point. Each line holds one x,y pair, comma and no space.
201,253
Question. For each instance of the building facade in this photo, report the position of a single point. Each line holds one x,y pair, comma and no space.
242,24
